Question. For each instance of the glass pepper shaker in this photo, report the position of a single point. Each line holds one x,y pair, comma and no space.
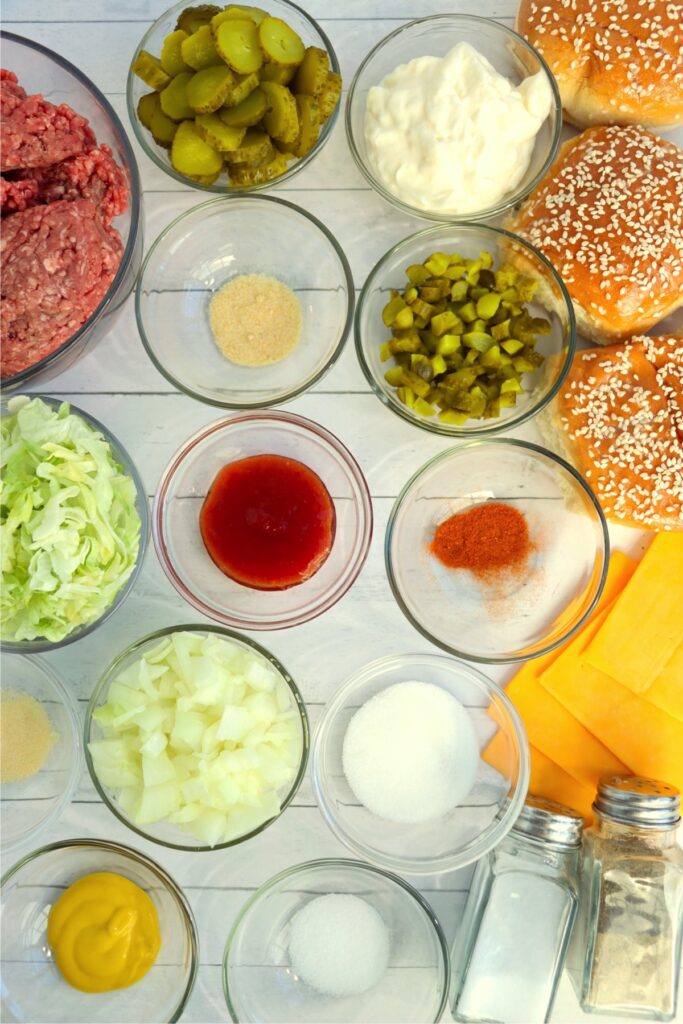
515,932
628,934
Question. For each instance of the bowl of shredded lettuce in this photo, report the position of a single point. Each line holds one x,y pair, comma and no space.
74,523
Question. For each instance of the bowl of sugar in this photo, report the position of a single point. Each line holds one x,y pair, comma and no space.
420,764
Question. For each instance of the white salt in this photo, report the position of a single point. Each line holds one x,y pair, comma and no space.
339,945
411,753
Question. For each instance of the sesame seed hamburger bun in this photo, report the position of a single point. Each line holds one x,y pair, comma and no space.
615,61
618,418
609,217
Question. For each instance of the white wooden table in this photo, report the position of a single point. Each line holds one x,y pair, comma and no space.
119,385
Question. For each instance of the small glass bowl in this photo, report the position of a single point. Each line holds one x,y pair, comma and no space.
552,302
34,991
210,245
186,482
123,459
471,829
30,805
511,56
152,41
162,832
261,986
515,616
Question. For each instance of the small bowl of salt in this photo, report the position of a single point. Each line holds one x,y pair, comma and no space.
337,941
400,764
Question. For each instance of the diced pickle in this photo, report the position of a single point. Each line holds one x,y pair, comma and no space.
279,43
193,18
219,135
309,113
281,119
204,179
199,50
208,88
255,148
250,174
163,129
171,58
147,104
235,11
329,95
149,69
173,99
246,113
279,73
237,41
191,155
241,89
311,76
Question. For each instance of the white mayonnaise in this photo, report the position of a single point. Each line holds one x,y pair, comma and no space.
450,134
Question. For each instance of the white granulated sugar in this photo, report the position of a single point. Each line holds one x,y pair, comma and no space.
339,945
411,753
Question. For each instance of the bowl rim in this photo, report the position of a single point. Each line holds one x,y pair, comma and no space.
278,417
508,201
506,817
292,392
536,449
108,676
487,428
333,863
154,152
135,199
121,455
59,690
169,883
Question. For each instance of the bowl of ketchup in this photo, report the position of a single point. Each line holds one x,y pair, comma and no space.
262,520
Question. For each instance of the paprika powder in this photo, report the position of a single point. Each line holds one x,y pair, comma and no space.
485,539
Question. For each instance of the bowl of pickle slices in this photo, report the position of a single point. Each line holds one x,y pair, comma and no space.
231,99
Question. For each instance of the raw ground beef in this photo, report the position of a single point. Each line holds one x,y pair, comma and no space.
59,193
58,261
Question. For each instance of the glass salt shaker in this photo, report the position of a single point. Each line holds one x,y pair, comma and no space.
515,932
628,935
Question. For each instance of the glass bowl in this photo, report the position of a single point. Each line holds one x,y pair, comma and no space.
41,71
30,805
162,832
185,484
126,463
33,990
311,34
261,986
516,616
208,246
434,36
468,831
552,302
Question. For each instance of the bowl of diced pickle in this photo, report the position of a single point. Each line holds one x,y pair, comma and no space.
464,330
231,99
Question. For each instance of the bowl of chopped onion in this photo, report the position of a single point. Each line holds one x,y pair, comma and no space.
196,738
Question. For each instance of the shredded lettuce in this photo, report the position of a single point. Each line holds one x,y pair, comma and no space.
69,528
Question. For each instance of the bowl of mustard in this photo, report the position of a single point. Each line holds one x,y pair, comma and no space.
94,931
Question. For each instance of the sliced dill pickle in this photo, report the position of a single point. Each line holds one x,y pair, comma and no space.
257,174
163,128
199,50
149,69
147,104
237,41
238,12
191,155
281,119
246,113
280,43
309,113
255,148
329,95
219,135
193,18
173,99
277,73
311,76
171,58
207,89
242,87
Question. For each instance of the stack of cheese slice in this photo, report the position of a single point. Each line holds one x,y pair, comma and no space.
610,700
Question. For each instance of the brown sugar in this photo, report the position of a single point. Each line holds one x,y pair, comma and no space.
256,320
26,736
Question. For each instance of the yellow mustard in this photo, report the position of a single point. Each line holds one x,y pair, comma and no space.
104,933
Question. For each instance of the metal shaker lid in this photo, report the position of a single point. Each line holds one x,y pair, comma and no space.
549,822
634,800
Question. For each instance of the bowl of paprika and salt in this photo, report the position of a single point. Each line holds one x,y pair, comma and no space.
496,550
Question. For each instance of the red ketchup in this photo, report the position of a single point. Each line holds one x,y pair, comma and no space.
268,522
